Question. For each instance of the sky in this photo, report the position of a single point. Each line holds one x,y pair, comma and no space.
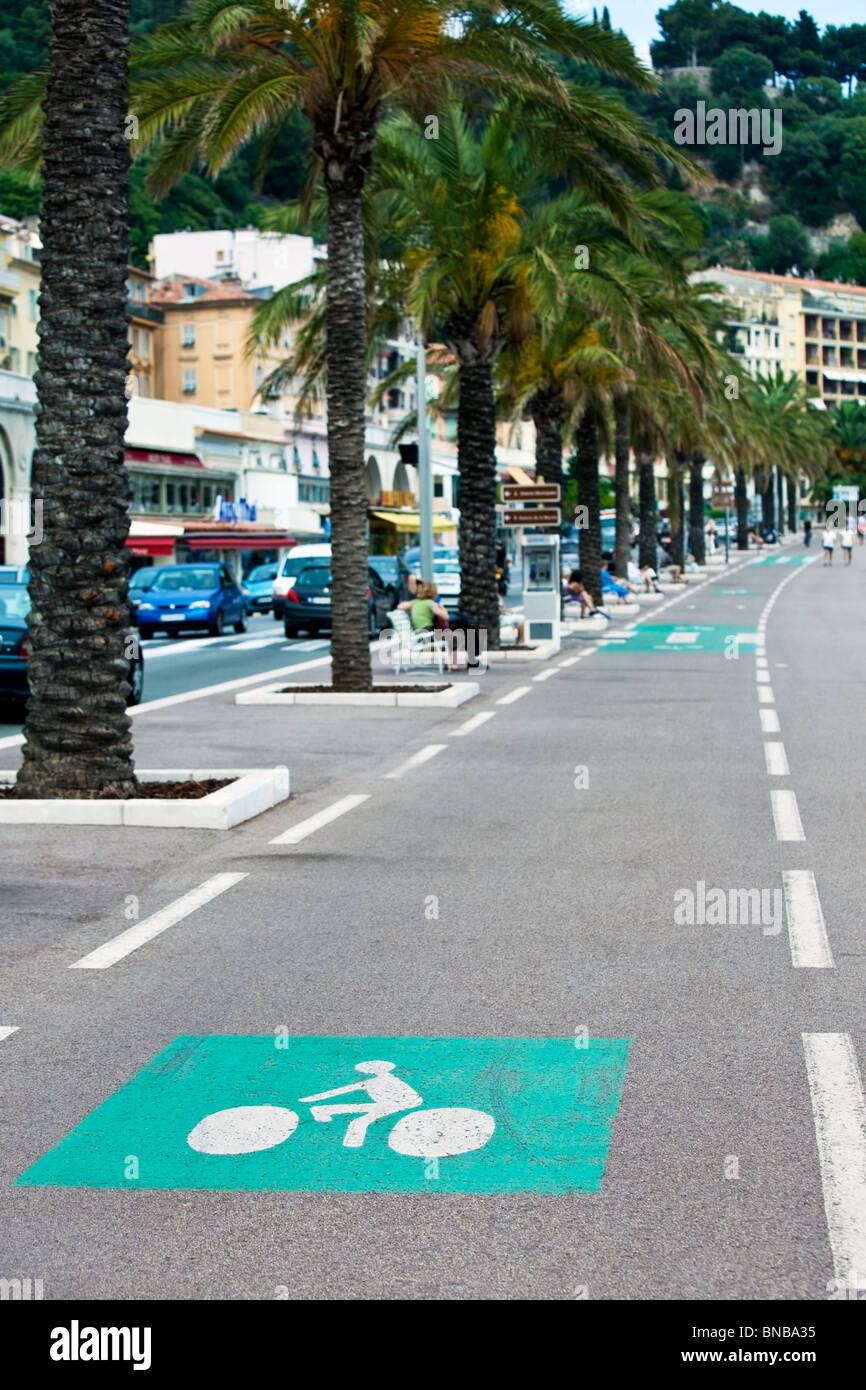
637,17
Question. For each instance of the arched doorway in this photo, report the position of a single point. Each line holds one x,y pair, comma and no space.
373,479
402,482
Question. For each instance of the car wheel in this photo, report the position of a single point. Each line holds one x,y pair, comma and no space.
290,630
279,611
145,633
241,626
136,681
217,626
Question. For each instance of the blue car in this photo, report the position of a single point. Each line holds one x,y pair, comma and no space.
15,640
258,588
191,596
139,583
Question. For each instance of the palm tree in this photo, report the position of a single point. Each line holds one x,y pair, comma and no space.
77,732
225,72
786,434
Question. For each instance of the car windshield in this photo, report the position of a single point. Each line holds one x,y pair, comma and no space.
191,578
261,574
142,579
314,577
14,602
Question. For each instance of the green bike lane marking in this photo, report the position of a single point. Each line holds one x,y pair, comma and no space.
353,1114
678,637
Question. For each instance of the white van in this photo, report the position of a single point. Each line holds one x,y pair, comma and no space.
290,569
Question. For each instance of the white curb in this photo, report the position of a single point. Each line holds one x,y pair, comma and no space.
543,651
449,698
253,791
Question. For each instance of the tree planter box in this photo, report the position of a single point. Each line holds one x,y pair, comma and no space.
622,611
251,792
543,651
449,698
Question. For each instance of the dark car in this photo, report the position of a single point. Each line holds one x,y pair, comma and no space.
139,583
258,588
308,602
394,574
15,643
189,596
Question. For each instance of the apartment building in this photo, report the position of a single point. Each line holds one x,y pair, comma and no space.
814,329
20,274
145,321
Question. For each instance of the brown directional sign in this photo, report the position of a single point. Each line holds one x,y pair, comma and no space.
723,499
535,492
532,516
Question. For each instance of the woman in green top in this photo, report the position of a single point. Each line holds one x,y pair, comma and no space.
423,608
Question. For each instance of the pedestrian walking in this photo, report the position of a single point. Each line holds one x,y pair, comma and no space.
807,533
861,528
828,541
848,543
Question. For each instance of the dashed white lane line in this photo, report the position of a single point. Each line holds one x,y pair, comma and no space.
296,833
569,661
7,1029
786,815
776,759
807,930
513,695
545,675
423,756
769,721
145,931
761,663
474,723
840,1130
765,695
762,677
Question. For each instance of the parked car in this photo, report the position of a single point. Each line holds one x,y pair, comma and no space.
394,574
290,569
446,570
15,639
258,589
189,596
308,602
139,583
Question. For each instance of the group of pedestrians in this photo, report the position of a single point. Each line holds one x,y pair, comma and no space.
845,536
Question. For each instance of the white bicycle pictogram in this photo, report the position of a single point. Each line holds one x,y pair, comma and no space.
441,1132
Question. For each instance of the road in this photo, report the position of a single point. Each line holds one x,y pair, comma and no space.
691,1127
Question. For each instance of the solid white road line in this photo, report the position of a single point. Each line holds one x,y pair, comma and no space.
145,931
474,723
223,686
765,695
7,1029
786,815
514,695
416,760
840,1131
299,832
776,759
807,930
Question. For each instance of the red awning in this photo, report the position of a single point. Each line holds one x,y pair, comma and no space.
163,458
151,545
237,540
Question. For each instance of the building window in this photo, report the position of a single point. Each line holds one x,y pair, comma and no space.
189,383
277,461
220,255
142,344
438,486
14,360
316,463
31,363
146,493
33,299
187,335
318,491
143,383
296,459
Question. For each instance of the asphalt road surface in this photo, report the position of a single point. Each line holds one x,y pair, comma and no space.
520,916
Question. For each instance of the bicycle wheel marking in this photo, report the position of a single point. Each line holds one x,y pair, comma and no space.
317,1114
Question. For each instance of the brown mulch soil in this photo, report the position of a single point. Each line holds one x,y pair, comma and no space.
377,690
174,791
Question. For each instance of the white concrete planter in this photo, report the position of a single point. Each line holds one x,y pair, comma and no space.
622,611
252,792
543,651
585,627
647,600
449,698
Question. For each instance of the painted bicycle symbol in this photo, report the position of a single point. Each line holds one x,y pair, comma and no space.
429,1133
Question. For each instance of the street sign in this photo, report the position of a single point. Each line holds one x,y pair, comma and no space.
529,516
353,1114
723,500
534,492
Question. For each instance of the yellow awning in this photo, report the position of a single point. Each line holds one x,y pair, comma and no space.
402,521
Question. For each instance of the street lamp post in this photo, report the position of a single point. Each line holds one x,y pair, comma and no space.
425,474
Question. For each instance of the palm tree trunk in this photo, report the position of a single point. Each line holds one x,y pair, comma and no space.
741,498
346,391
647,504
780,499
768,502
586,447
622,451
697,539
476,459
792,503
548,416
675,507
78,740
